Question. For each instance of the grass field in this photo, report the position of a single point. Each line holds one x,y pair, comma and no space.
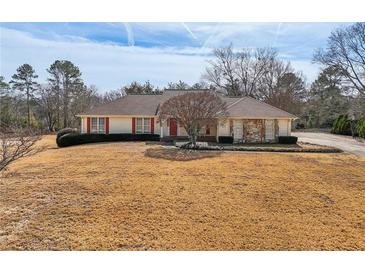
112,196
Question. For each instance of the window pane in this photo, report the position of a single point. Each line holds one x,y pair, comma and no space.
101,124
94,124
139,125
147,125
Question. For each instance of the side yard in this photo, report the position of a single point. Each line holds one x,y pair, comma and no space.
117,196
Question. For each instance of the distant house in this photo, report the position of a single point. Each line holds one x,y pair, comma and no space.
248,120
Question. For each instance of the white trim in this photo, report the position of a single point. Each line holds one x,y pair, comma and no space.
123,116
97,125
226,117
143,131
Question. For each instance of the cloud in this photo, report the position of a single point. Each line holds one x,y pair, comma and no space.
129,30
106,65
189,31
113,54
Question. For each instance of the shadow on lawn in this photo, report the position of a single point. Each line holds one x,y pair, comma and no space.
176,154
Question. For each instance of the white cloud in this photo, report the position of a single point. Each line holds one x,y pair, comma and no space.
108,66
130,34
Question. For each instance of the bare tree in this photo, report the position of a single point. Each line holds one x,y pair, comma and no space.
47,101
222,71
239,73
112,95
16,143
194,110
282,87
252,65
86,98
346,54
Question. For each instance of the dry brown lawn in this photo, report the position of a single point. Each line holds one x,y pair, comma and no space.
112,196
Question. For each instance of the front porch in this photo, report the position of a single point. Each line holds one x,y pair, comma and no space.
242,130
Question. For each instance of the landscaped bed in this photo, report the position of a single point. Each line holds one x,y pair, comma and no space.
299,147
114,196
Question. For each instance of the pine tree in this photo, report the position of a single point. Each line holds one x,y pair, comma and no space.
23,81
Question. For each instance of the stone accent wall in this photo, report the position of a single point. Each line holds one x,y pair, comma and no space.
254,130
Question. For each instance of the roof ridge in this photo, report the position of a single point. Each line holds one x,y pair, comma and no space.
236,102
263,103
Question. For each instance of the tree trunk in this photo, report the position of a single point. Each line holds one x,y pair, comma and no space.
193,138
28,107
352,127
65,108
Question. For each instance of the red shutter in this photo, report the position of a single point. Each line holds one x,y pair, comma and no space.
88,125
107,125
207,130
152,125
133,125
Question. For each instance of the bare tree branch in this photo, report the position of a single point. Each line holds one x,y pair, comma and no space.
193,111
16,143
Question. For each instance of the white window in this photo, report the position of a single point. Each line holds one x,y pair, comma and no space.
147,125
97,125
94,124
101,125
139,125
143,125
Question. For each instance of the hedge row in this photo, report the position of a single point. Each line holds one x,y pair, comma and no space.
71,139
64,131
282,139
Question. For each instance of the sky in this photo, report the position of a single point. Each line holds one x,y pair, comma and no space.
111,55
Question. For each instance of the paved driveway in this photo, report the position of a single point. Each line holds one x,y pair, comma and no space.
346,143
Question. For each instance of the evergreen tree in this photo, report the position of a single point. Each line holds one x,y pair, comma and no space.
326,101
65,79
23,81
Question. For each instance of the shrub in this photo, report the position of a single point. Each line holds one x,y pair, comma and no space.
64,131
299,126
360,128
75,138
288,139
341,126
225,139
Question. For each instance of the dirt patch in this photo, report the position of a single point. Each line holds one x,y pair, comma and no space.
114,197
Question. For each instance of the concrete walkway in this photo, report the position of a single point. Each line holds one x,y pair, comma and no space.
346,143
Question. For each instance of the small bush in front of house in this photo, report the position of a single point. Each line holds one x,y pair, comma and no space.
225,139
288,139
65,131
73,138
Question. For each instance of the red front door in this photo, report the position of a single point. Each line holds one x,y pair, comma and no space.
173,127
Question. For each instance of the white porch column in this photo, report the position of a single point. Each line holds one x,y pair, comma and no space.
217,132
161,129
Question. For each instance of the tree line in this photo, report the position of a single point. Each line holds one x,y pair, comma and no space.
260,73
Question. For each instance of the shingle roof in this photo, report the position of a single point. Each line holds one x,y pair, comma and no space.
252,108
148,105
129,105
